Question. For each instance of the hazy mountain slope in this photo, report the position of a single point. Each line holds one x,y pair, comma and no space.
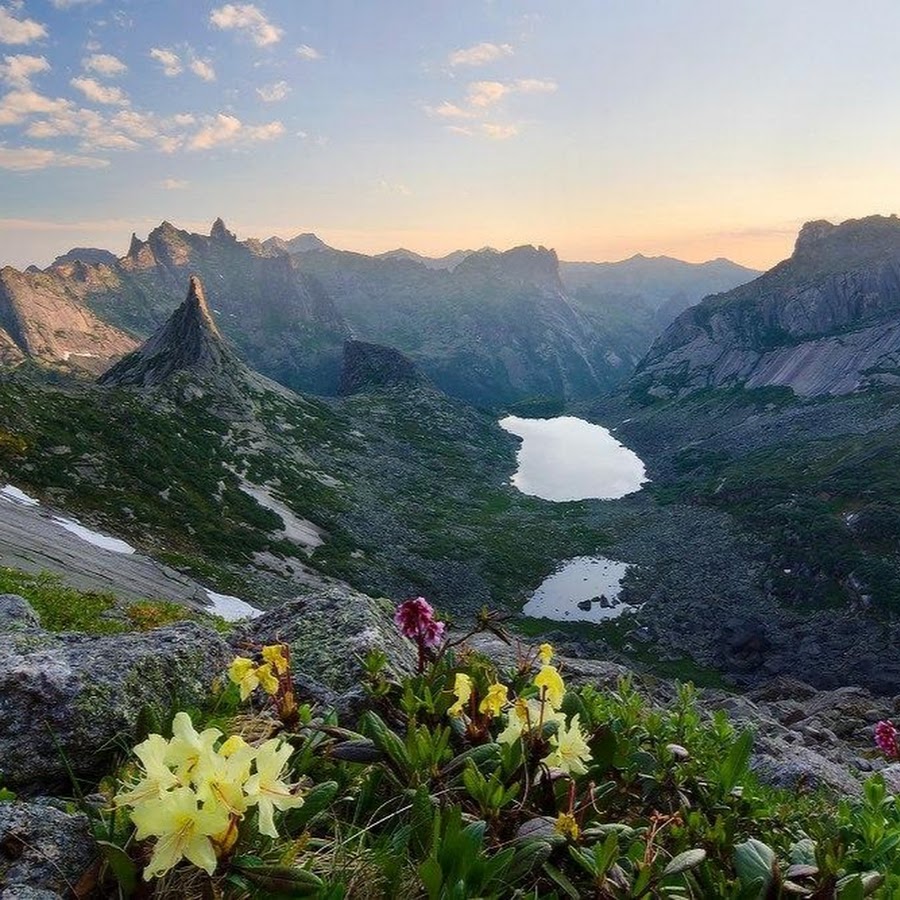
827,320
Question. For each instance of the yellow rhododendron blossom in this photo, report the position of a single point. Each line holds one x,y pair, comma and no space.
567,826
183,830
158,777
495,700
545,651
189,750
267,680
550,683
525,715
569,751
274,655
223,780
232,745
267,789
242,672
462,687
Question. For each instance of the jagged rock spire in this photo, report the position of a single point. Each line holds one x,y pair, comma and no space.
220,232
189,340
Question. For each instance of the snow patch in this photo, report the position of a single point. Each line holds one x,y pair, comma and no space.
232,609
104,541
301,531
14,495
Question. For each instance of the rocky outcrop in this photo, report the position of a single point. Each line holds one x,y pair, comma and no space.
189,341
43,317
825,321
371,366
66,698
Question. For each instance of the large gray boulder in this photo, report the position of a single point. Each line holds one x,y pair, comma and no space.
67,700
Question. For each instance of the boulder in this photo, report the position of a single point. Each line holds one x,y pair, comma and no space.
43,851
16,614
66,699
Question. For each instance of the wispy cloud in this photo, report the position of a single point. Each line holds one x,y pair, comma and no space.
499,132
104,64
225,130
486,93
19,31
479,54
168,59
249,19
272,93
18,70
30,159
18,105
173,184
202,68
393,187
535,86
304,51
68,4
100,93
448,110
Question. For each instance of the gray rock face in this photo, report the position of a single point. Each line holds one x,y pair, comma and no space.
43,851
189,340
368,366
16,614
65,698
825,321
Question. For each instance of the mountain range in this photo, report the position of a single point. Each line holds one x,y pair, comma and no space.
491,328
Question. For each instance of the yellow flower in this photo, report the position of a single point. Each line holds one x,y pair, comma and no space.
275,655
267,681
567,826
242,672
550,683
158,777
545,651
495,700
267,789
462,687
232,745
525,715
190,752
569,751
224,777
183,830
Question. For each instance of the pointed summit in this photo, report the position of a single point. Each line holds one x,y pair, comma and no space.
219,232
188,341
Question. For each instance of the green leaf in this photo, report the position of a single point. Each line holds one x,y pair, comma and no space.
122,866
734,767
850,888
755,864
358,751
314,802
562,881
284,880
432,877
803,852
688,860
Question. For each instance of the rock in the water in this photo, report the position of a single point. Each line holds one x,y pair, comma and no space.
584,605
65,698
16,614
43,851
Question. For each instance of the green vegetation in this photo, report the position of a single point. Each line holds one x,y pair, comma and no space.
594,793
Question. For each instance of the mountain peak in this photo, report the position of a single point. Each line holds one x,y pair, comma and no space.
220,232
371,366
188,341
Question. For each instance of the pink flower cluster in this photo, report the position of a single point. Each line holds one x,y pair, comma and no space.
886,740
415,619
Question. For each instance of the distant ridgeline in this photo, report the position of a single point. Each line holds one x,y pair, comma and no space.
488,327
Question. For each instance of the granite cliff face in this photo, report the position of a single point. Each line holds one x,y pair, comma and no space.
825,321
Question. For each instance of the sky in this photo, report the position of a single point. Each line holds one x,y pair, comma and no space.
601,128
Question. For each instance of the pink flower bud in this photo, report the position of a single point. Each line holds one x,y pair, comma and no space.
886,740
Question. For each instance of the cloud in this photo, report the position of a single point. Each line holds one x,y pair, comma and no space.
100,93
18,105
173,184
392,187
480,54
225,130
248,18
169,60
68,4
449,110
202,68
304,51
499,132
104,64
535,86
272,93
486,93
18,70
31,159
19,31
